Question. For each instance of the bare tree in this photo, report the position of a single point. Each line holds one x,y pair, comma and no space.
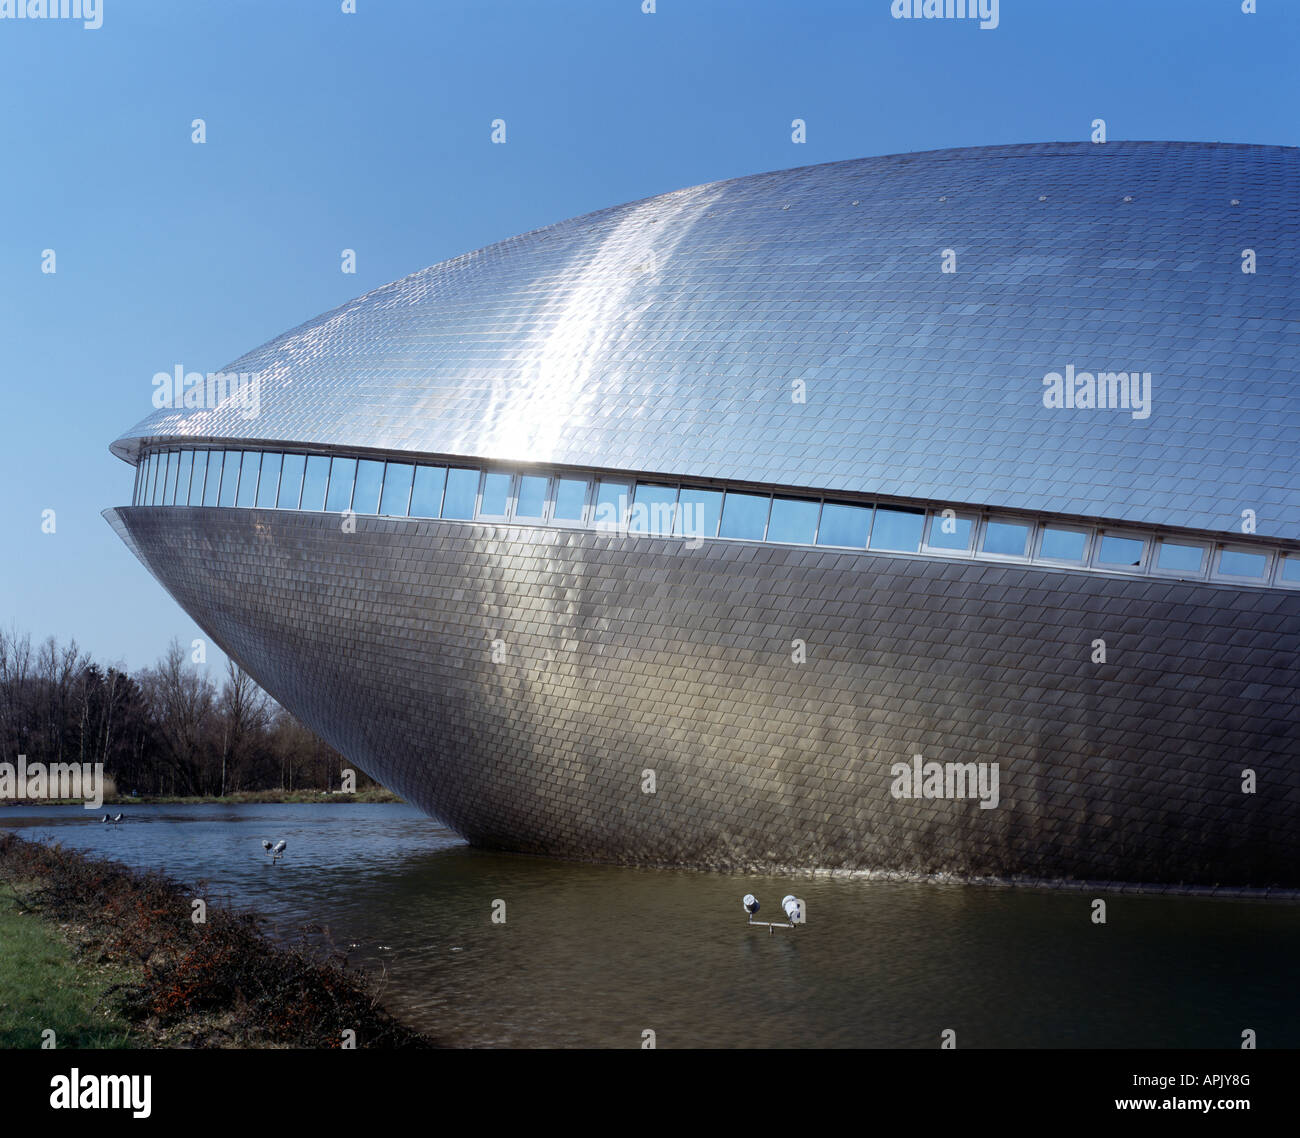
183,701
245,715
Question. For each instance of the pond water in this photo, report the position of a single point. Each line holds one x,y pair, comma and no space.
593,956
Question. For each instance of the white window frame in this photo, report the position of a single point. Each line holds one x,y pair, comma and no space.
936,516
517,485
1144,562
1206,548
1222,547
1040,532
1281,558
1002,519
552,493
484,472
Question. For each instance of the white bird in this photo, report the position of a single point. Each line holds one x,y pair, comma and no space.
276,851
116,819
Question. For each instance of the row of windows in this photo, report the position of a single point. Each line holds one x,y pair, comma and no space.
271,480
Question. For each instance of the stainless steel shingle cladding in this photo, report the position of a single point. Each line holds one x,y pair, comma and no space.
518,679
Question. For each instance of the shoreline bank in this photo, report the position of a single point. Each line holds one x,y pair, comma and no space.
369,796
182,969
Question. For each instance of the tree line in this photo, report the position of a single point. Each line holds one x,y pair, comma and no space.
165,730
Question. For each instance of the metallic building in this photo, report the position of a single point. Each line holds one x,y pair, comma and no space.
672,533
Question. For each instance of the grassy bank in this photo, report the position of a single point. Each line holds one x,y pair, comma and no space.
116,954
372,794
43,987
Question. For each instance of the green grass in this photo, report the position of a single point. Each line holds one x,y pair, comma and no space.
42,986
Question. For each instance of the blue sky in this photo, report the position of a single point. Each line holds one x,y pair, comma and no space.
371,131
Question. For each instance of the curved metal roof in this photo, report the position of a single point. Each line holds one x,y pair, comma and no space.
666,335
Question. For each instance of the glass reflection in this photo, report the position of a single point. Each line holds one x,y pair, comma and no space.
291,482
744,516
396,498
530,501
844,525
496,494
268,482
652,509
247,495
897,530
1175,557
611,506
212,478
315,481
1063,544
1120,551
462,489
793,521
182,497
426,497
570,499
1239,563
370,481
342,473
1006,539
698,513
229,478
950,533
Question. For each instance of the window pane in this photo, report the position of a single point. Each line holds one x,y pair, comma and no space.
291,482
793,520
1290,570
843,524
652,509
426,496
1006,539
342,473
570,497
897,529
397,490
462,489
155,465
269,481
229,478
1126,551
496,494
197,477
212,483
698,512
315,481
531,499
1241,564
173,469
1063,544
744,516
155,476
612,505
370,480
186,471
950,532
1184,558
248,478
